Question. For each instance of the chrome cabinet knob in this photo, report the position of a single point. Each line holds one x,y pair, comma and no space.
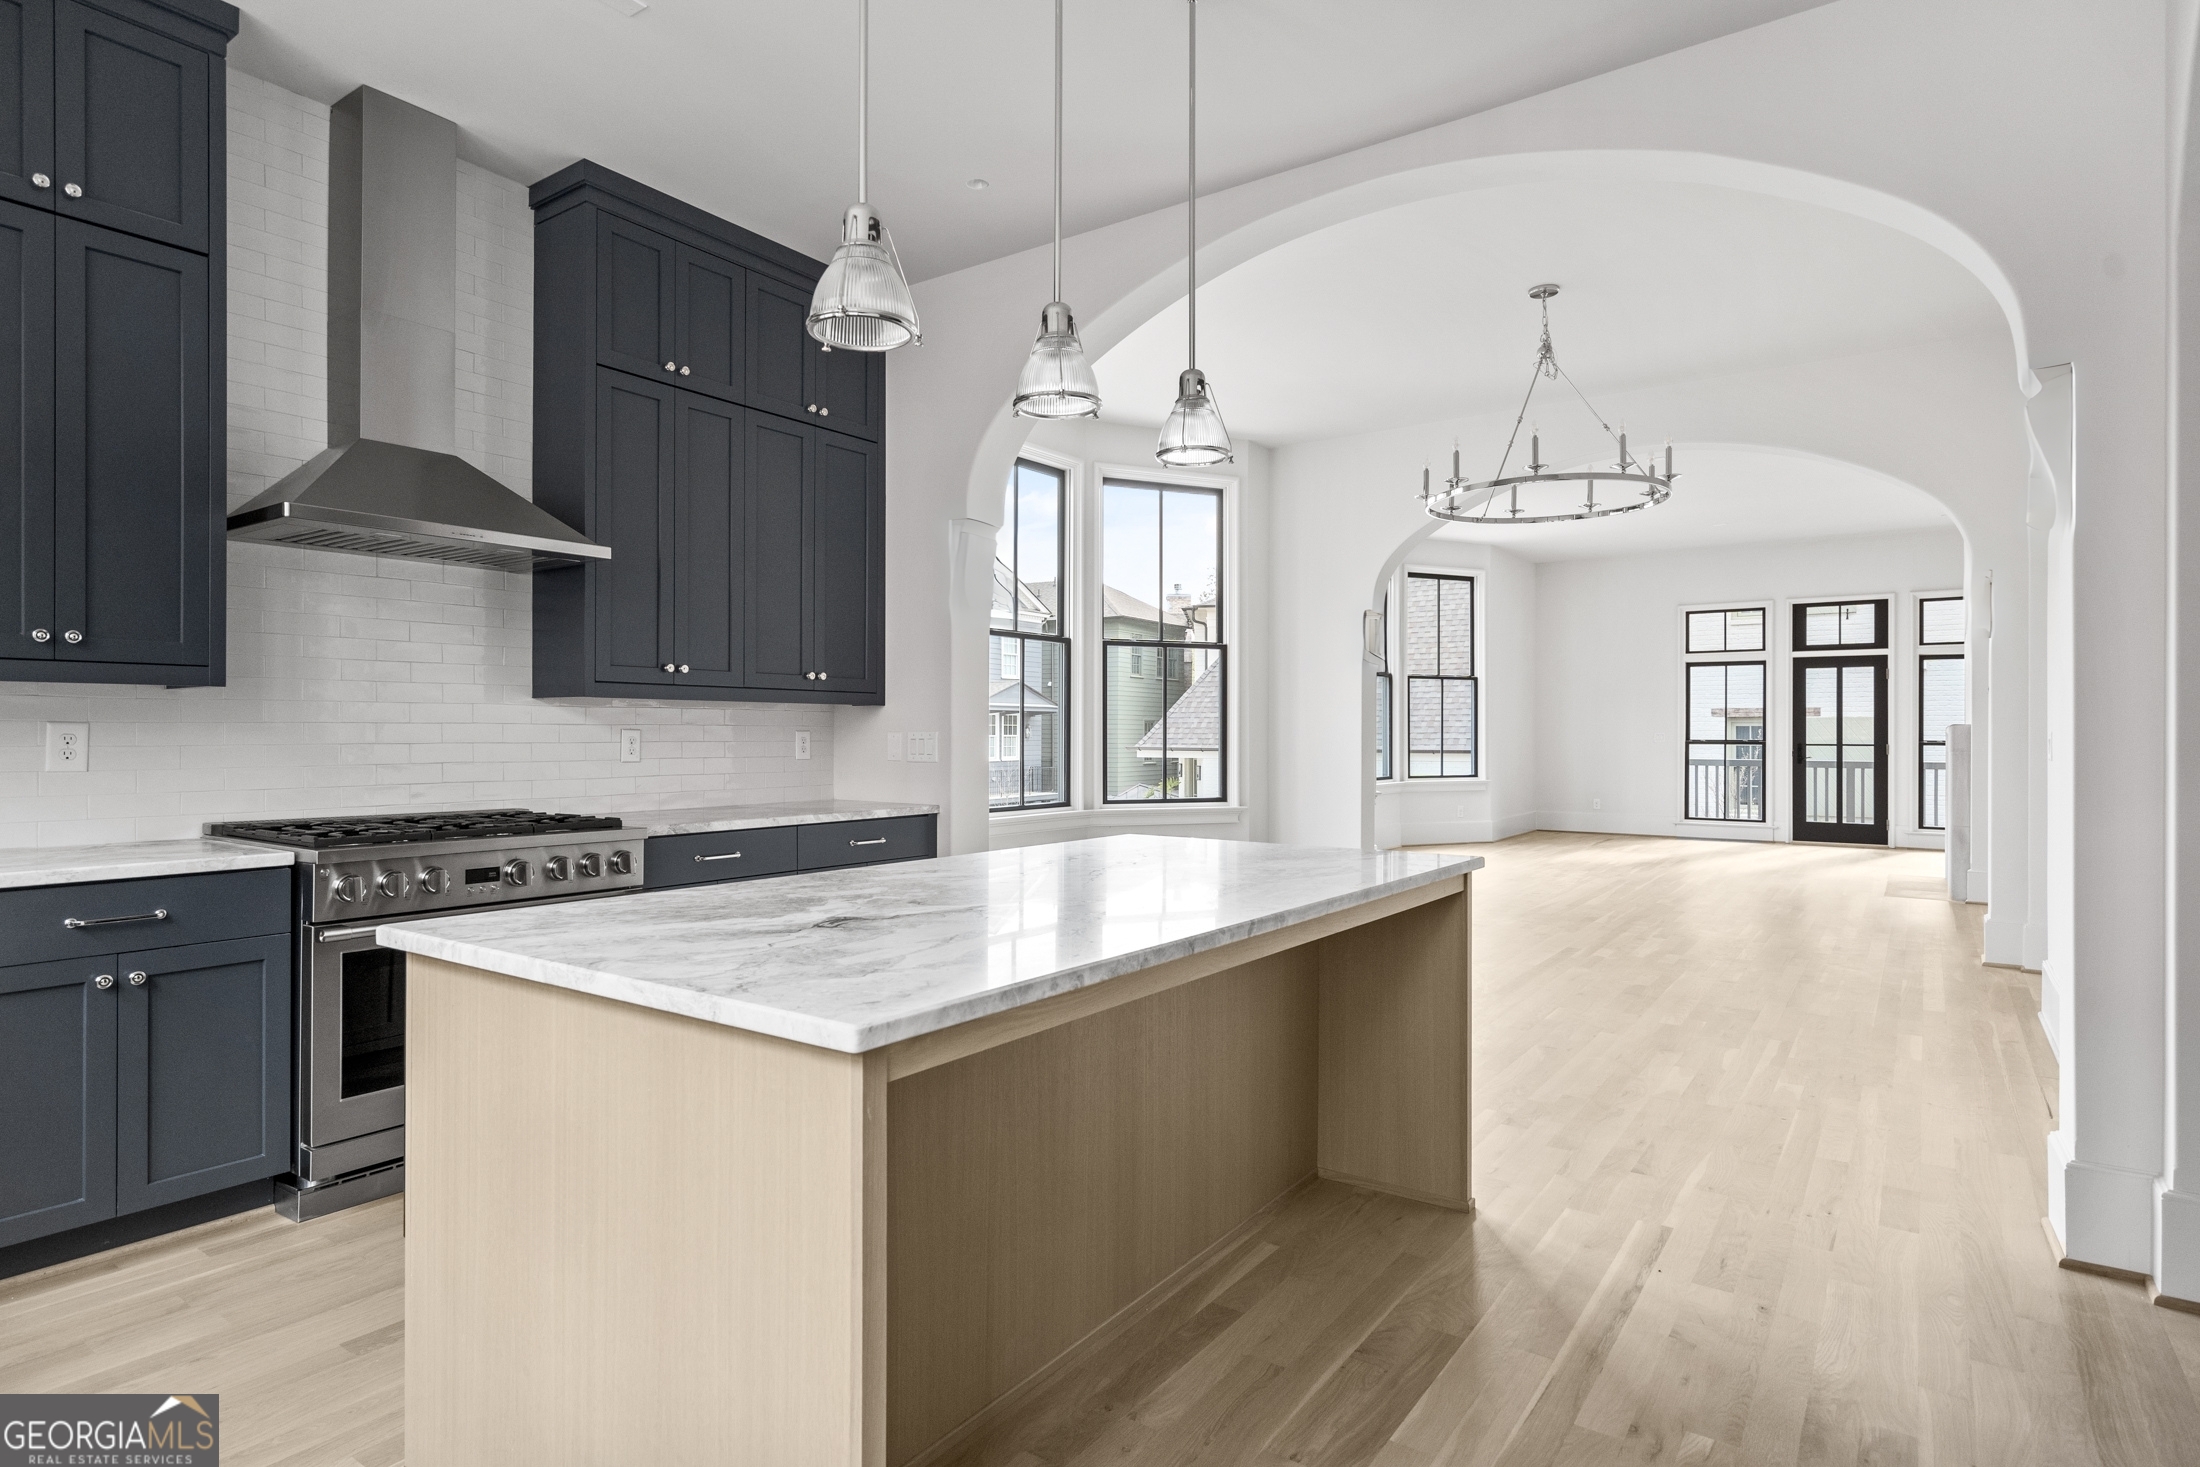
72,190
434,880
670,368
137,979
824,677
347,888
40,180
72,637
557,868
622,862
811,676
813,407
104,980
40,634
684,372
591,864
824,412
519,872
670,668
394,884
683,667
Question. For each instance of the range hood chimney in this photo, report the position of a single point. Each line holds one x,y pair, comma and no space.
392,484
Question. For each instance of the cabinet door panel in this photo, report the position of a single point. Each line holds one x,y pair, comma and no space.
631,513
846,530
134,508
635,274
26,432
780,348
713,340
57,1093
26,100
778,482
130,127
710,518
849,388
202,1069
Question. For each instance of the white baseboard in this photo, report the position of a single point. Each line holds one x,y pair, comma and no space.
2106,1213
2177,1247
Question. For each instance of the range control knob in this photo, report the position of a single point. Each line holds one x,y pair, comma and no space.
557,868
394,884
435,880
591,864
518,872
622,862
347,888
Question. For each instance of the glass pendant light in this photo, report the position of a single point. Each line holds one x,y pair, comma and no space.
1193,436
1057,382
863,301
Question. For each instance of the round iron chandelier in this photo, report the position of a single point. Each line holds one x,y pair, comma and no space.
1471,502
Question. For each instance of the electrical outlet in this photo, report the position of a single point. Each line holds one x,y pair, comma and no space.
630,746
1596,804
802,743
924,748
68,747
893,746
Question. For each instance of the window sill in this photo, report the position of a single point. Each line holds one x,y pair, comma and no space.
1434,781
1184,811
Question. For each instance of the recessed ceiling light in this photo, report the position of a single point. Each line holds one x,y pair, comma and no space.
626,7
977,183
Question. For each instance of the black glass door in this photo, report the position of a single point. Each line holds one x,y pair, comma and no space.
373,1043
1841,749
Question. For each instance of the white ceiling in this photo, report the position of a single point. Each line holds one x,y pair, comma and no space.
1421,312
1731,496
746,107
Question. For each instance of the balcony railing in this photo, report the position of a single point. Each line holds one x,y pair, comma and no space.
1840,794
1729,788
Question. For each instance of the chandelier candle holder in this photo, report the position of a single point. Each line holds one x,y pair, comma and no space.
1471,502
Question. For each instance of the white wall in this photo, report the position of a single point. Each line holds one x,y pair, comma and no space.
365,683
1091,451
1609,702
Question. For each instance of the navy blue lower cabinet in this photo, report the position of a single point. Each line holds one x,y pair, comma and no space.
57,1097
202,1078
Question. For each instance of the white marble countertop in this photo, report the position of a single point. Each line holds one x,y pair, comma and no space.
859,958
130,860
757,817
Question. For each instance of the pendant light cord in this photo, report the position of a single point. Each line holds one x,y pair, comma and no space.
1191,198
863,101
1057,149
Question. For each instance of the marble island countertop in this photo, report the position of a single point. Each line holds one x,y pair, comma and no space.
757,817
857,959
131,860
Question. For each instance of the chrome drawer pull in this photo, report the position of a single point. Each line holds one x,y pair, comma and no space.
158,914
879,842
728,856
341,933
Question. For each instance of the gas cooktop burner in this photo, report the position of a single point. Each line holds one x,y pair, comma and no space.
338,832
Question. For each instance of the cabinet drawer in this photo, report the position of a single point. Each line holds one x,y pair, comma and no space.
867,842
210,907
718,855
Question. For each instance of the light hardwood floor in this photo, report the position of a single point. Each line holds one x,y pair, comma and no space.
1758,1147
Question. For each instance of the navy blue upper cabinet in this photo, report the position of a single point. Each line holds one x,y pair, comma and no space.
111,343
684,417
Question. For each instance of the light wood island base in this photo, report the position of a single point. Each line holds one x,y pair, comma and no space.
639,1237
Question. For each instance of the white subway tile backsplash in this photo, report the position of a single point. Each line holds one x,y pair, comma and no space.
368,684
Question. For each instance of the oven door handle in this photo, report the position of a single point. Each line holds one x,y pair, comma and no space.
341,933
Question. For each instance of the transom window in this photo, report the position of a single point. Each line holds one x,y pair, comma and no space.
1846,624
1737,629
1442,690
1940,621
1027,739
1164,684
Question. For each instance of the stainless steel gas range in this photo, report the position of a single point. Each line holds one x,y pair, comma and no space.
354,873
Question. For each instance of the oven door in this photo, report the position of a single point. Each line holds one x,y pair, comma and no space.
352,1081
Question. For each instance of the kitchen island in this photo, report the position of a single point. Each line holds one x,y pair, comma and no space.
819,1170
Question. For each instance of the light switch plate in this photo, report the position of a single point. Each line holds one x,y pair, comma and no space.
924,748
68,748
802,743
893,746
630,746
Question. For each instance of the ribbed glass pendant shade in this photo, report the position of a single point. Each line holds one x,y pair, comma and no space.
1057,382
863,301
1194,436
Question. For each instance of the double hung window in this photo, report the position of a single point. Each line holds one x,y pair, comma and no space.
1384,734
1027,735
1164,685
1442,690
1725,736
1940,702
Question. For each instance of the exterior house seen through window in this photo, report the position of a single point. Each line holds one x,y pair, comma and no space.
1027,734
1164,689
1442,690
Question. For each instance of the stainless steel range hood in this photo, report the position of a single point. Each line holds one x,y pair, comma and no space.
392,484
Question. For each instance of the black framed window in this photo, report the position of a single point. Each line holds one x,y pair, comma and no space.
1383,695
1443,693
1027,658
1940,621
1727,629
1940,701
1842,626
1164,690
1726,741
